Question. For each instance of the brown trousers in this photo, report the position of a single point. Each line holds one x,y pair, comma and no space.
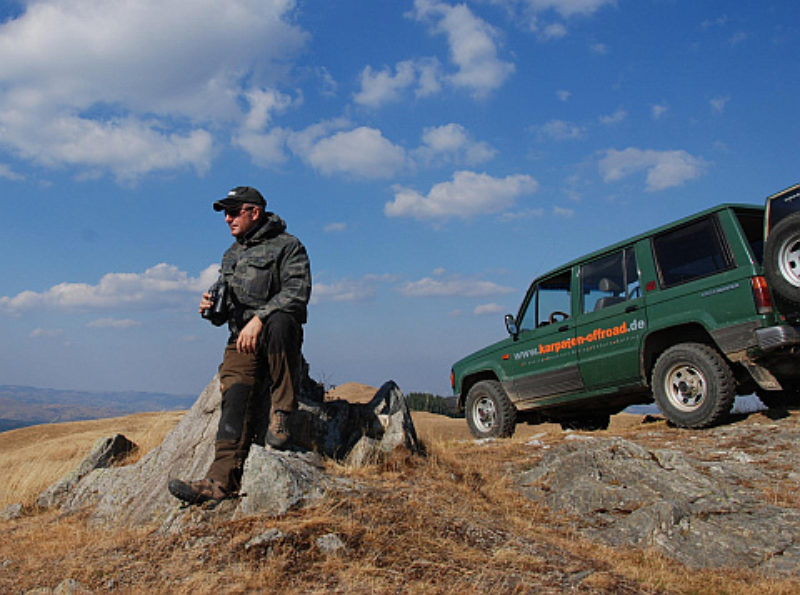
252,385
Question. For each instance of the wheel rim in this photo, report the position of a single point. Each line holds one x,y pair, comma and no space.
685,387
484,414
789,260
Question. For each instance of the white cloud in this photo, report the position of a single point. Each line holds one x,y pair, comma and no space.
534,11
128,87
615,118
563,95
659,110
9,174
382,86
335,227
488,309
362,153
569,8
472,44
467,195
553,31
114,323
46,333
348,290
452,286
563,212
452,143
161,286
718,104
127,147
561,130
664,169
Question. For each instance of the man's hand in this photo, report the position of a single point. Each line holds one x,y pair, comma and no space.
248,337
206,303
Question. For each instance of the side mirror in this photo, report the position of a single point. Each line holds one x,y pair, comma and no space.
511,326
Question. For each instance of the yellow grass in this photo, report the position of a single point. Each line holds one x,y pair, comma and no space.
450,522
35,457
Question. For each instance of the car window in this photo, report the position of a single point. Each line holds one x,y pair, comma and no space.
753,228
690,252
609,280
550,296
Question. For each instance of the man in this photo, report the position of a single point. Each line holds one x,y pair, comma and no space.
267,281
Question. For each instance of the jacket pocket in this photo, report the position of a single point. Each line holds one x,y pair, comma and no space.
257,277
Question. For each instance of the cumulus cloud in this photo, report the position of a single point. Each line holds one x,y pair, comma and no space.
561,130
452,286
348,290
658,110
488,309
161,286
452,143
362,152
129,87
467,195
664,169
47,333
9,174
472,43
114,323
540,14
569,8
618,116
379,87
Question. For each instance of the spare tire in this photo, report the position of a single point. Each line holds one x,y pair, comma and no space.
782,261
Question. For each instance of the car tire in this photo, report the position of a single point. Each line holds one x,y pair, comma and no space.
693,385
489,411
782,260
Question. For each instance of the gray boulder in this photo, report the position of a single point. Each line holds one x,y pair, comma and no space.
273,482
700,513
105,452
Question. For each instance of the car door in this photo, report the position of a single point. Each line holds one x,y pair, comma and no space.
542,361
611,322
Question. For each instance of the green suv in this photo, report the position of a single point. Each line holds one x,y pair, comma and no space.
689,315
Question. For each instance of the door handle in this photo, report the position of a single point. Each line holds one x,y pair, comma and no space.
561,329
630,309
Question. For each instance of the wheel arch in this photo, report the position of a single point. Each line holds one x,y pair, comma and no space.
471,380
660,340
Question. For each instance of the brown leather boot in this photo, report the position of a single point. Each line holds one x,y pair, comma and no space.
197,492
278,430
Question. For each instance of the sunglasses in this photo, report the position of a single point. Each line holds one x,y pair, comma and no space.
234,212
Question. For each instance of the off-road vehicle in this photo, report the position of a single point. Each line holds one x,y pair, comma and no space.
690,315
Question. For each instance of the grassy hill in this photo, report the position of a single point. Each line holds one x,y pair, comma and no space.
451,522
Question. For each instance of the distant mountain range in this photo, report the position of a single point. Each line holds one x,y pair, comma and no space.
27,405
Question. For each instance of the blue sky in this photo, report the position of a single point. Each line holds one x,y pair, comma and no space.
433,156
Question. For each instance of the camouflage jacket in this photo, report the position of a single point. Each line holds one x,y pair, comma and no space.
267,271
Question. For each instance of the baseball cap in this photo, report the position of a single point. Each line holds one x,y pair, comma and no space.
240,195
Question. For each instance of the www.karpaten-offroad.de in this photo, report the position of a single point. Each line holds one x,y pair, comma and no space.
598,334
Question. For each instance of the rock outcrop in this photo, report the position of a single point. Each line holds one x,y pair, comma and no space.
273,481
702,513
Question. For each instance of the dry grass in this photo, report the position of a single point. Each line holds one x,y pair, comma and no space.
35,457
447,523
450,522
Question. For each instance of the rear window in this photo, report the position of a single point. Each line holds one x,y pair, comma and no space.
753,228
690,252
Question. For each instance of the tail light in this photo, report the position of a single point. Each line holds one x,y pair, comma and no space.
453,379
761,295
